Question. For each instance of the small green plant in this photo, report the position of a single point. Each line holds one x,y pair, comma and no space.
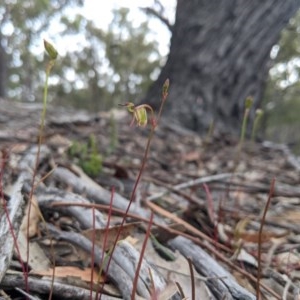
88,156
52,53
248,105
140,118
257,119
258,115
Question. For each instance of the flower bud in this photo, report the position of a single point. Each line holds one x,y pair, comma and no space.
249,102
165,88
50,50
259,112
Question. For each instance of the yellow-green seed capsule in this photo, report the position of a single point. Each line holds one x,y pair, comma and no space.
50,50
249,102
166,87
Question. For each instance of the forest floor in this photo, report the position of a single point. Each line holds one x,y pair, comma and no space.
207,197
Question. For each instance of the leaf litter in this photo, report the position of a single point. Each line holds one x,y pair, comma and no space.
207,207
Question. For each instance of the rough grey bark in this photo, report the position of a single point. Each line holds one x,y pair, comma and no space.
3,70
219,55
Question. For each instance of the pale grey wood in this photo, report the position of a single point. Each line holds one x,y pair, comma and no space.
115,273
292,159
97,194
47,196
221,282
15,208
121,256
39,285
131,255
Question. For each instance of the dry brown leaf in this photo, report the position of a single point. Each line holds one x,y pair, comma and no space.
240,232
173,271
99,234
287,259
168,292
37,258
291,215
204,292
69,271
59,140
19,148
253,237
191,156
132,240
34,218
243,281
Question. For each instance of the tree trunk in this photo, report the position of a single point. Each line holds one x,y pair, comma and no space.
3,71
219,55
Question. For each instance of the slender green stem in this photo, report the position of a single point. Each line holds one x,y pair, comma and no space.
248,105
244,126
257,119
41,130
43,116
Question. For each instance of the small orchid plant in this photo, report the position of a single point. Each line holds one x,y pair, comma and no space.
140,112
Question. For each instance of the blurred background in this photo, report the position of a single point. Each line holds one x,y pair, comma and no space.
110,52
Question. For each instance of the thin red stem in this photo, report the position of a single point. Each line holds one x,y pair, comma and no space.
260,238
93,252
106,234
136,277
